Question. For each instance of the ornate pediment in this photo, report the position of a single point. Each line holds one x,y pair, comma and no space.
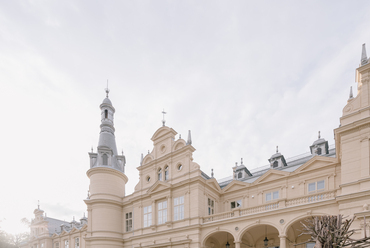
271,175
315,163
235,185
213,184
159,186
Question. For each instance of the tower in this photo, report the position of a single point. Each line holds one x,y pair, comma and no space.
352,138
107,186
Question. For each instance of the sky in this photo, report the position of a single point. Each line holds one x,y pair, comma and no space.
243,76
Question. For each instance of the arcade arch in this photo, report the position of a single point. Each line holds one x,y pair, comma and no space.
219,239
260,236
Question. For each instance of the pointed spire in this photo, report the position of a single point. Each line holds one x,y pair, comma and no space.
319,135
189,138
141,159
350,93
180,136
38,204
364,59
212,173
241,162
277,149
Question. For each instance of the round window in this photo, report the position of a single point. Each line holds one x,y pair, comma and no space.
148,179
179,167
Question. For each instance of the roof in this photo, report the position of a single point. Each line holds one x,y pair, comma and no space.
293,163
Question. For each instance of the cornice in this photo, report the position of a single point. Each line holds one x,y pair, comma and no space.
351,196
355,124
108,170
90,202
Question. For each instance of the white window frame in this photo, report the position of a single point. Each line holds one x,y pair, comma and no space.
66,243
236,204
56,244
128,221
166,173
315,186
77,242
162,212
160,174
273,195
211,206
178,208
147,216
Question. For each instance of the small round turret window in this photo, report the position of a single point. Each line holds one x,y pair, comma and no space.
148,179
179,167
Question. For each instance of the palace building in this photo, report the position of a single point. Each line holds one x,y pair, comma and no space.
175,204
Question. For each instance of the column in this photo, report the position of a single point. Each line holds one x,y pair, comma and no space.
282,241
237,244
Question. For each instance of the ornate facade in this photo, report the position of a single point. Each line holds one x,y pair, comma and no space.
175,204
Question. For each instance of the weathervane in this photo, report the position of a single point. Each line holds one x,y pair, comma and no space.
163,121
107,89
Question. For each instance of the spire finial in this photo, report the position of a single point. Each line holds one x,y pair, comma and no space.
277,149
88,194
180,136
141,159
189,138
241,162
363,55
319,135
236,163
92,149
38,204
163,121
107,89
212,173
350,93
122,152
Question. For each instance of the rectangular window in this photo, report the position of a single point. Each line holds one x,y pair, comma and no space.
211,206
272,195
66,244
147,216
316,186
178,208
236,204
166,174
57,245
129,222
162,212
77,242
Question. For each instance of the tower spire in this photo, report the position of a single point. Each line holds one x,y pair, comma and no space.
189,139
163,120
107,89
364,59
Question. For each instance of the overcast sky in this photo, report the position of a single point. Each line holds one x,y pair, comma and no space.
243,76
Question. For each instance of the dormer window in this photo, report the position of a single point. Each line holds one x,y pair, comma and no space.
240,175
105,159
106,113
275,164
160,174
318,151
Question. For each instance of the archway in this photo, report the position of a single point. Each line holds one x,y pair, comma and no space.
260,236
219,240
294,237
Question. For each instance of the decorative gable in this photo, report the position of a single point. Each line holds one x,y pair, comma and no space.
235,185
159,186
271,175
213,184
316,163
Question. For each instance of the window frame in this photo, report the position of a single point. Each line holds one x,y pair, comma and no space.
77,242
162,212
147,216
178,208
272,195
211,206
315,184
236,202
128,221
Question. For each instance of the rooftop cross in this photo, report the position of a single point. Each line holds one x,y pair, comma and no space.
163,121
107,89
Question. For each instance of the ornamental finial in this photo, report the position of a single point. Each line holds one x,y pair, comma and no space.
163,121
107,89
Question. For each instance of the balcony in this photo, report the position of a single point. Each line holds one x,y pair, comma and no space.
304,200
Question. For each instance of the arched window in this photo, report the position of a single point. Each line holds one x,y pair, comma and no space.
105,159
160,174
318,151
240,174
166,173
275,164
106,113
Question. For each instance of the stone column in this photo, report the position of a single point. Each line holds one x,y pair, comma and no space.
237,244
282,241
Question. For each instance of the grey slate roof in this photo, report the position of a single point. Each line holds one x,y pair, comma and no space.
292,164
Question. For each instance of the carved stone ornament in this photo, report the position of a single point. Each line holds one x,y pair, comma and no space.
348,108
365,207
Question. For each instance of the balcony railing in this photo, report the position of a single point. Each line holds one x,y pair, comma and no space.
312,198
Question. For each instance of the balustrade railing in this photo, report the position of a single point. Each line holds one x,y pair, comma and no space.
307,199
